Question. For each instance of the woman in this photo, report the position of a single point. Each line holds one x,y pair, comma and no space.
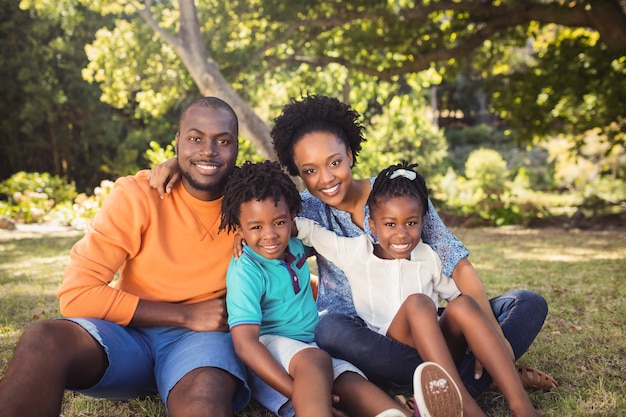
318,138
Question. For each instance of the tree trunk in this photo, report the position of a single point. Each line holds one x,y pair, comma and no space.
190,47
610,20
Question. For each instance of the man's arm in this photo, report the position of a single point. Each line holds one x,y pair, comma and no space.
259,359
204,316
121,232
112,237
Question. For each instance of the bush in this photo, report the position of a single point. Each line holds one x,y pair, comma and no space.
487,169
30,196
40,197
486,191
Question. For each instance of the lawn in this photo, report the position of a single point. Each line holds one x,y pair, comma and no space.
580,273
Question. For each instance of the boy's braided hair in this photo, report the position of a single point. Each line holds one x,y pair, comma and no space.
315,114
389,185
256,181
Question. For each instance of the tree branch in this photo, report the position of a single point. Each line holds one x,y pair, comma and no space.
146,15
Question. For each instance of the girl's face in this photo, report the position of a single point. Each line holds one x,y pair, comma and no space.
397,223
324,163
266,227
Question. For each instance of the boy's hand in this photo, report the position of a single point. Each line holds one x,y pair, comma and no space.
240,242
164,176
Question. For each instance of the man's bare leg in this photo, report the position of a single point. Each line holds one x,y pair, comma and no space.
204,391
49,357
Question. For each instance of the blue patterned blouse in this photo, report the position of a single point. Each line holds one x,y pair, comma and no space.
334,291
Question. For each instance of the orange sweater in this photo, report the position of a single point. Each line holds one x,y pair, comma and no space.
164,250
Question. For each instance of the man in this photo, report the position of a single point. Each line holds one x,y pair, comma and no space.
162,326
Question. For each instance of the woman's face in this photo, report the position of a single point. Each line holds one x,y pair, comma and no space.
324,163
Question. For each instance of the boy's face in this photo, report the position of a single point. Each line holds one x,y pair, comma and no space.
266,227
397,223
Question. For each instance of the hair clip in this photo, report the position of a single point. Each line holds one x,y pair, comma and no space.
411,175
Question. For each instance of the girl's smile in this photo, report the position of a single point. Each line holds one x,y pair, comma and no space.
397,223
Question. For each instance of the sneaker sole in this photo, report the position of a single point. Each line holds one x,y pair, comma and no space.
436,394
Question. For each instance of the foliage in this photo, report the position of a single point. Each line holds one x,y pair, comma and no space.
266,42
487,191
52,120
399,133
83,208
596,171
31,195
55,187
383,58
487,169
565,80
156,154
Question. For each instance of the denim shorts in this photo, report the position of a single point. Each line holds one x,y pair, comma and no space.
148,360
283,349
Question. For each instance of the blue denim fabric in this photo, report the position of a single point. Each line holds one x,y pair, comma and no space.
386,362
144,360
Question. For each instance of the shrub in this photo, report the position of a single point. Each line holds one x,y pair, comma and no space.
488,169
30,196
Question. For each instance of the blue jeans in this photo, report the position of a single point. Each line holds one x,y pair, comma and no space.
388,363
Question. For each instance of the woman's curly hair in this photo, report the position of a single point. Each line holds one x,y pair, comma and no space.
315,114
256,181
389,185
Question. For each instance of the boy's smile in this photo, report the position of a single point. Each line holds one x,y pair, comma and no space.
266,227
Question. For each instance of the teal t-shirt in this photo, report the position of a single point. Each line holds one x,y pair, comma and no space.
261,291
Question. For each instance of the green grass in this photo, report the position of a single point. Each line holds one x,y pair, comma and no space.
581,274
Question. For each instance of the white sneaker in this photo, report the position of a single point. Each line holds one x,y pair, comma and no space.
436,394
392,412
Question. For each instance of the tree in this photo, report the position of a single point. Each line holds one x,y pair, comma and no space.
238,41
566,81
52,120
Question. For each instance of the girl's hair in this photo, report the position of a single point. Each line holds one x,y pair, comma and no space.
400,180
315,114
256,181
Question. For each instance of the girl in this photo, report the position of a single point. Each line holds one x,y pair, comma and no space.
396,284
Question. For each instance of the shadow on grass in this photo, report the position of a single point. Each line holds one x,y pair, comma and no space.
22,248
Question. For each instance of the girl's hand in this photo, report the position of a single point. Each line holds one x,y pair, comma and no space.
294,228
240,242
164,176
336,411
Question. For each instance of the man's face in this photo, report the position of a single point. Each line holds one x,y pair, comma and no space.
206,148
